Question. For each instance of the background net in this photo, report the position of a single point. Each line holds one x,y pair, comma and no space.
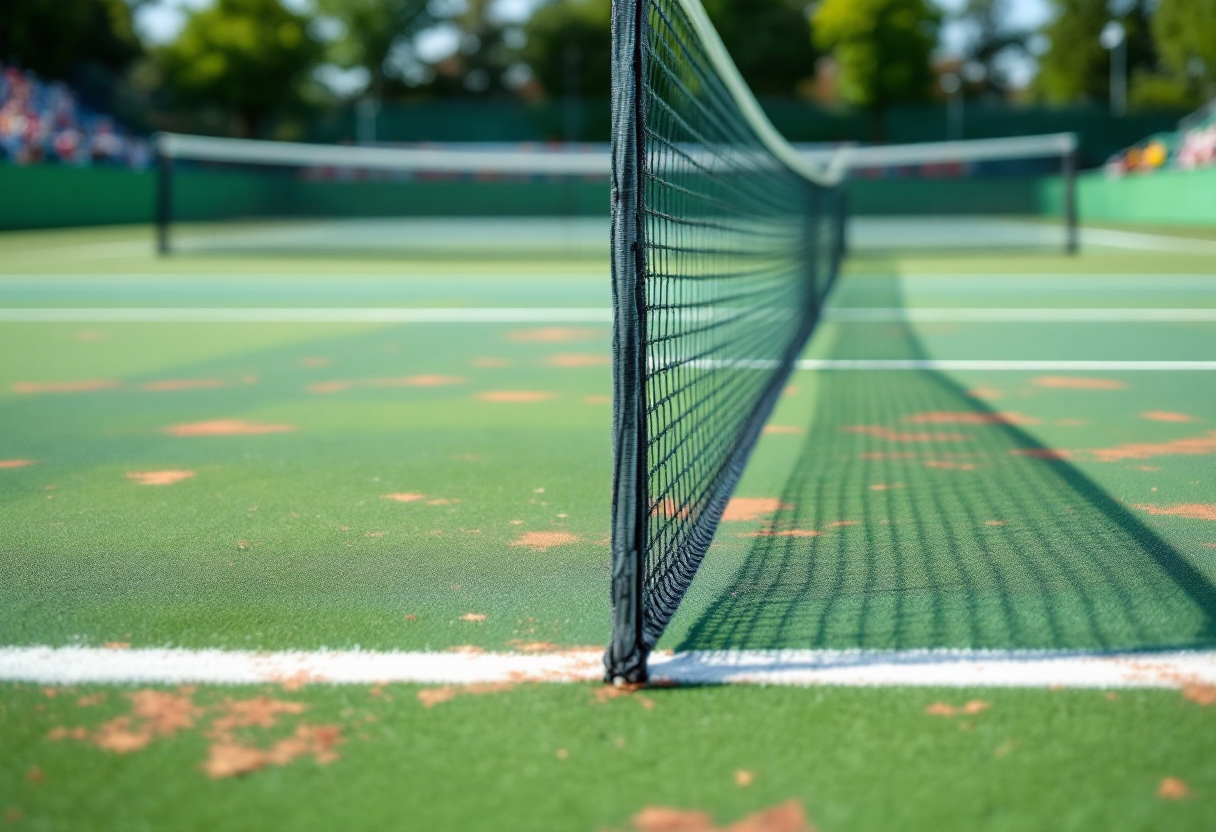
722,258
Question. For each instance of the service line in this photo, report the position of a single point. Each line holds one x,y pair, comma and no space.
850,668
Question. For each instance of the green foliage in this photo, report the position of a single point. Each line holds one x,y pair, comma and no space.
1076,67
571,40
55,38
990,36
767,40
883,48
251,57
372,31
1185,33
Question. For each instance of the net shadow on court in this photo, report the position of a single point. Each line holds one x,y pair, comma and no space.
916,516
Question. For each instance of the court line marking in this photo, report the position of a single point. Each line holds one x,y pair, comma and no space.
997,364
138,314
851,668
856,314
1146,242
305,315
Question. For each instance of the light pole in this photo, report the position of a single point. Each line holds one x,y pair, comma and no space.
1114,41
952,86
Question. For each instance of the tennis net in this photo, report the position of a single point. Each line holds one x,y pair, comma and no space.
725,242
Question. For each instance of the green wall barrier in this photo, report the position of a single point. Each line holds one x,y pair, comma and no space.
1173,197
50,196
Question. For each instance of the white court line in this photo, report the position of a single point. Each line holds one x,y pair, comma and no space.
1146,242
997,365
138,314
1010,315
267,315
858,668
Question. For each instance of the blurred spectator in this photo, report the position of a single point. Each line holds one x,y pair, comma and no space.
1187,149
42,121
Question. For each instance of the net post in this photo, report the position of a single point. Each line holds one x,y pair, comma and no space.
625,660
164,194
1070,198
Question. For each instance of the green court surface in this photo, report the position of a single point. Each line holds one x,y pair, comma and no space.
272,485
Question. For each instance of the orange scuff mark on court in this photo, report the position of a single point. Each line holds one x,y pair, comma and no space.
533,646
515,396
969,417
1077,383
897,436
260,712
324,387
576,360
1201,694
1191,511
171,384
227,427
229,759
90,700
605,693
91,335
315,362
1144,467
404,497
986,393
882,486
555,334
1193,446
837,524
1166,416
949,466
15,463
1173,788
475,617
89,386
159,477
786,817
117,645
784,533
154,714
752,508
430,697
970,708
1042,453
996,522
417,381
491,362
744,778
597,399
540,541
786,430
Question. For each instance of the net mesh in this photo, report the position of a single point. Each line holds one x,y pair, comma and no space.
732,255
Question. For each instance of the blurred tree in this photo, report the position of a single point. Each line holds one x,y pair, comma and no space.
990,39
56,37
485,62
251,57
883,50
1075,66
1185,35
377,35
569,47
767,39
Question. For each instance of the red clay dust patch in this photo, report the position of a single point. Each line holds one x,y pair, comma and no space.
971,708
227,427
91,386
784,533
1166,416
752,508
1191,511
575,360
941,417
159,477
1041,453
554,334
779,430
15,463
897,436
181,384
515,396
430,697
1172,788
540,541
405,497
1195,446
1072,383
788,817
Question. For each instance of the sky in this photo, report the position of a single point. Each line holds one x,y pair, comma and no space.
160,21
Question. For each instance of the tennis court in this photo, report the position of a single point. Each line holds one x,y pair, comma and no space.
272,484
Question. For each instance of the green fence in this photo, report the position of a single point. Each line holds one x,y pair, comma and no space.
51,196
